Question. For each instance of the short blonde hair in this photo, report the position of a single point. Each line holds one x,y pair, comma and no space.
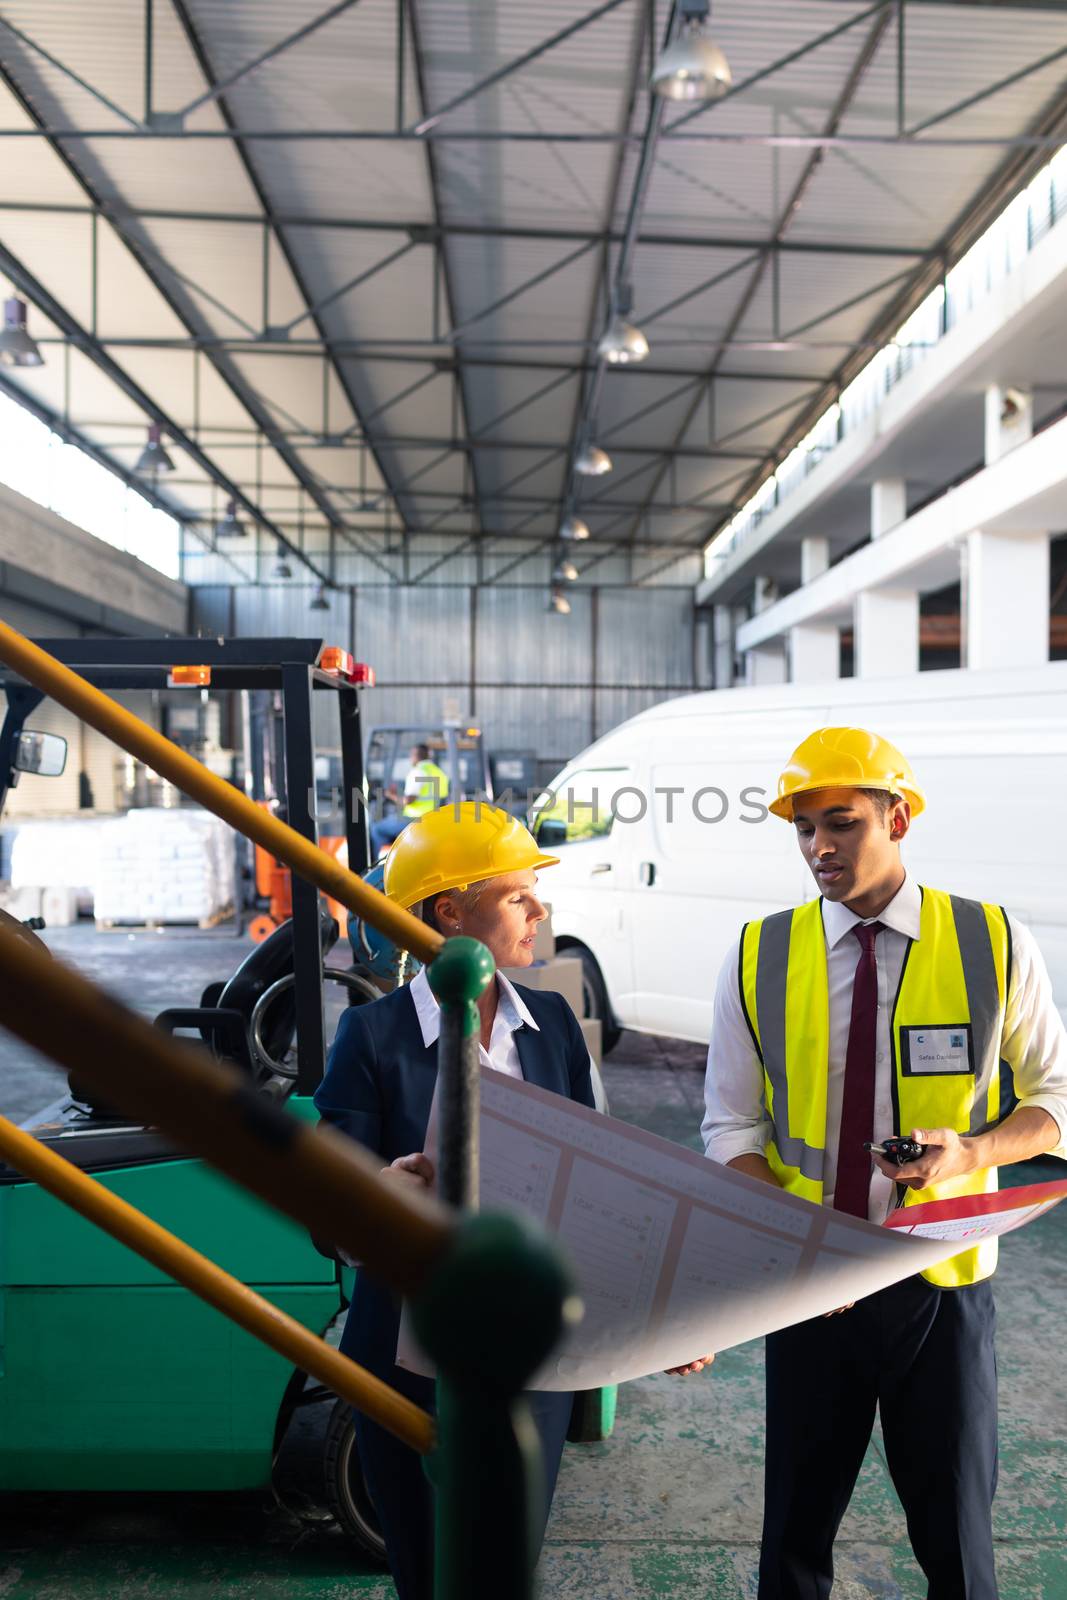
466,898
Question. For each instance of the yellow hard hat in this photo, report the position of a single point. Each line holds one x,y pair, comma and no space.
455,846
846,758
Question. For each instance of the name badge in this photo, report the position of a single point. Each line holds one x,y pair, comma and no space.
930,1051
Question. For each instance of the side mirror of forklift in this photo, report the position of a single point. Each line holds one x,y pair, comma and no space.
44,754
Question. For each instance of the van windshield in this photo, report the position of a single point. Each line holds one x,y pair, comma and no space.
581,807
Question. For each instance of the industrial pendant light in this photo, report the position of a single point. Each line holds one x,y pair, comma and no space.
621,344
573,528
320,602
592,462
230,526
153,458
281,567
558,602
693,68
17,347
564,571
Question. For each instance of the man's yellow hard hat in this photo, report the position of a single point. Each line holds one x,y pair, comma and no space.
455,846
846,758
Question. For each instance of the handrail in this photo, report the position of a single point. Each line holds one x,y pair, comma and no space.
489,1295
493,1269
227,1294
314,1174
70,689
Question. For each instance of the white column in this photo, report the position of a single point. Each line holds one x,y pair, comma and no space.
723,646
814,653
765,593
886,623
889,505
1009,419
814,557
766,664
1004,607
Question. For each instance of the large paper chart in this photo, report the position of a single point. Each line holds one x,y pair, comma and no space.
677,1257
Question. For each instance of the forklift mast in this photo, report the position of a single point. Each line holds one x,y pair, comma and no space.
294,670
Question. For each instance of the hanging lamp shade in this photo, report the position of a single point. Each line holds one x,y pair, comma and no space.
592,462
230,525
693,68
18,348
153,458
622,344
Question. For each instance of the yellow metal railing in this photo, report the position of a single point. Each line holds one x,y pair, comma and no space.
464,1276
69,689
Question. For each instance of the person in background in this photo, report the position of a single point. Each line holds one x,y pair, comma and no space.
881,1008
468,869
425,788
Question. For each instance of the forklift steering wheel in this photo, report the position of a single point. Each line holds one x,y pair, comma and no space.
361,989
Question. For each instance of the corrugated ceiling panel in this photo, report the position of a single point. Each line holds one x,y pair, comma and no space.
395,302
578,84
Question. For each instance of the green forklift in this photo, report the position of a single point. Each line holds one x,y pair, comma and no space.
112,1376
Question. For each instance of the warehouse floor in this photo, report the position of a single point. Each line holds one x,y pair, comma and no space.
668,1507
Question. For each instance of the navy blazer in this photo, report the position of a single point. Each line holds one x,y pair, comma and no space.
378,1088
380,1077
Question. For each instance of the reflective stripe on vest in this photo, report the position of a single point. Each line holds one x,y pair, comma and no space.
955,977
432,791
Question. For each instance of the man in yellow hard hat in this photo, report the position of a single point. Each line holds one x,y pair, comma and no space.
425,788
466,869
881,1010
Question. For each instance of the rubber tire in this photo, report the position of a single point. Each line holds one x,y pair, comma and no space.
595,994
346,1489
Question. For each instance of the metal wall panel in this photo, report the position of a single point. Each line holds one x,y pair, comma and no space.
414,635
556,723
519,641
535,683
210,610
645,637
284,610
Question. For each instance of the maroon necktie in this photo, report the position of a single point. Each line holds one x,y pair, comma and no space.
857,1105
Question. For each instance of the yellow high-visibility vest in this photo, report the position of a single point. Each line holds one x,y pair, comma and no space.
431,792
945,1034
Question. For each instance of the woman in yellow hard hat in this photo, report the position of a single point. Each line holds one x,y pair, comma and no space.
465,869
881,1011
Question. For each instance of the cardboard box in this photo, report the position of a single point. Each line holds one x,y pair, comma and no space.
59,907
593,1035
562,975
544,938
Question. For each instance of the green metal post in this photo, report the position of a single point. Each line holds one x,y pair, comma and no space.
458,976
489,1317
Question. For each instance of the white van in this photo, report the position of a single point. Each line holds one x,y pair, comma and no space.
665,847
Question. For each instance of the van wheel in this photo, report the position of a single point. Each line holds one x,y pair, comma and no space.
346,1486
596,1002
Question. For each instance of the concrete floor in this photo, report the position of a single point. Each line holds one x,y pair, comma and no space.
669,1506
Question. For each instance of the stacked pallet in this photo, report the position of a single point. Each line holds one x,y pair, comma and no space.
159,867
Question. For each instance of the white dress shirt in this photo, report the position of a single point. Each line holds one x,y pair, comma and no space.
511,1014
1033,1043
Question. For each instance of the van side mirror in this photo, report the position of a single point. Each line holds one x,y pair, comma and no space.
44,754
551,833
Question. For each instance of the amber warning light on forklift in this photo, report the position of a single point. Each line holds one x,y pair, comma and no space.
341,662
189,678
